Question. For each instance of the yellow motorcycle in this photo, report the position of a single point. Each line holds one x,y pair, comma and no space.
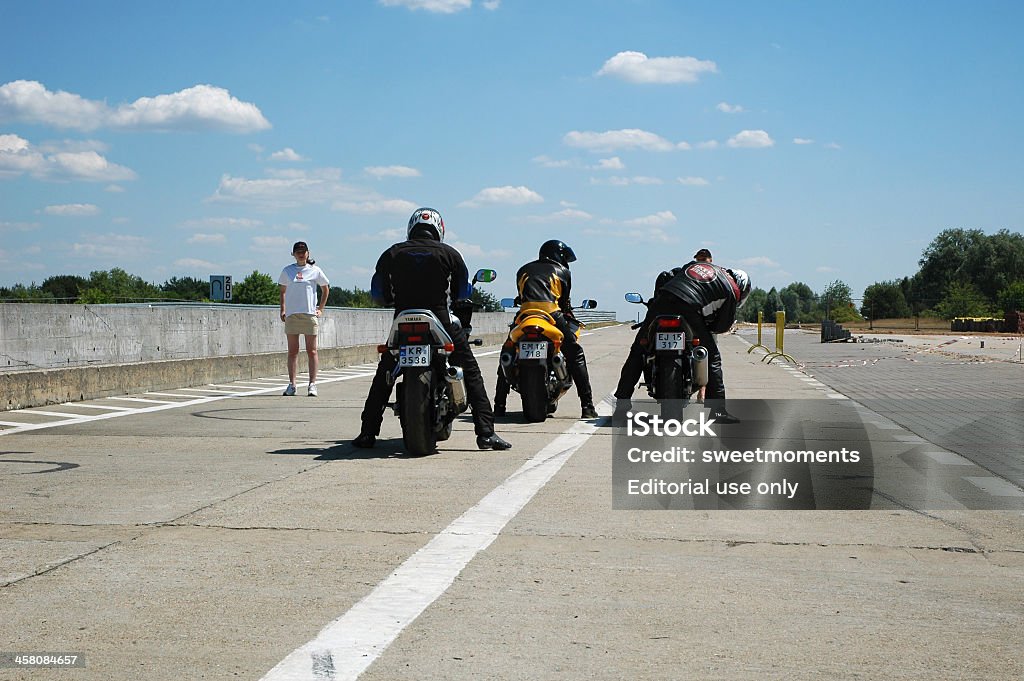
532,360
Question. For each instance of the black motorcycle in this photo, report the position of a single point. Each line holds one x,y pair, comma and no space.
675,364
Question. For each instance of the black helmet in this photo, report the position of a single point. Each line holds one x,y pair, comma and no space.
557,251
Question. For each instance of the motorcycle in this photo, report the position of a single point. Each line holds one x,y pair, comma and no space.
432,391
532,361
675,364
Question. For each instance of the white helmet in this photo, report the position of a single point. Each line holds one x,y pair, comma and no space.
743,282
428,220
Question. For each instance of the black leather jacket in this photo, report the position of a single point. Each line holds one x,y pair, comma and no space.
421,273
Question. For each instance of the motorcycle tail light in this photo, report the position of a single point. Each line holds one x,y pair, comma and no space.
670,323
696,342
414,327
414,339
449,347
381,349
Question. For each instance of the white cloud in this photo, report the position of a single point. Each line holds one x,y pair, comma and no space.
637,67
565,215
832,145
196,265
475,251
118,246
751,139
693,181
547,162
437,6
114,189
825,269
491,4
504,195
18,226
72,209
802,140
659,219
758,261
58,162
392,171
288,189
613,140
270,244
287,154
725,107
391,235
613,163
617,181
201,107
710,144
207,239
375,207
222,223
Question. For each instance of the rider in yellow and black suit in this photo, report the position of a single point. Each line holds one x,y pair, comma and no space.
545,284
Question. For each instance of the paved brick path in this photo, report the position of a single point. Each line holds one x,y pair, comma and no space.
972,407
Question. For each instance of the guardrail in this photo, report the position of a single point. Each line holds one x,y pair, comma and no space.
595,316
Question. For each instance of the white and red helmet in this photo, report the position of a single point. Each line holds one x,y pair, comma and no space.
428,220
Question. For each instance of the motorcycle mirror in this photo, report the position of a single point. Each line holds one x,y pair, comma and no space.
634,298
508,302
477,341
588,304
485,276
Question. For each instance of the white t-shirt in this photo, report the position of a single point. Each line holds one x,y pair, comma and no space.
302,282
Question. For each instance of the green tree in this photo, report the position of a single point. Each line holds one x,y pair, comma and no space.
772,304
186,288
755,302
19,293
487,301
838,302
343,297
257,289
117,286
65,288
1011,298
800,302
885,300
963,299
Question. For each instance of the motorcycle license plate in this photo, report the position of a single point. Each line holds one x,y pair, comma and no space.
669,341
529,350
414,356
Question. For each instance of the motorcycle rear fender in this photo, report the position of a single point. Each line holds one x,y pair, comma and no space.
537,318
437,330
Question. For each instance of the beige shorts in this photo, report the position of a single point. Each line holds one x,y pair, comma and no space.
302,323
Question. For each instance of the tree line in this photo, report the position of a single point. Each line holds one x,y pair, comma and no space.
962,273
118,286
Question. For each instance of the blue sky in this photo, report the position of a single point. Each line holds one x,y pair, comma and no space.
802,141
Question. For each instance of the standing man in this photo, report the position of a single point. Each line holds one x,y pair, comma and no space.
545,284
424,272
707,297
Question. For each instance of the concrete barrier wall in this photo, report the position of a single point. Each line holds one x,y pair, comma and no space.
57,353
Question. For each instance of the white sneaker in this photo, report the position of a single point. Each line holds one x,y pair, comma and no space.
289,391
311,391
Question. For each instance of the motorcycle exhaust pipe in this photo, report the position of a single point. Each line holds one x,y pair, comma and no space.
561,370
507,359
455,380
699,366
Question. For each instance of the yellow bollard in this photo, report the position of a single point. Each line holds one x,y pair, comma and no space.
760,319
780,336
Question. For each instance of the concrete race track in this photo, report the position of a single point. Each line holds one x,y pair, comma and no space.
228,532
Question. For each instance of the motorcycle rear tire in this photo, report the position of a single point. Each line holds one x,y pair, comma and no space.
670,386
418,412
533,391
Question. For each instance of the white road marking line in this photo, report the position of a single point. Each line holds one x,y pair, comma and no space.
351,643
949,458
184,397
996,487
161,405
62,414
237,386
140,399
208,390
82,405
